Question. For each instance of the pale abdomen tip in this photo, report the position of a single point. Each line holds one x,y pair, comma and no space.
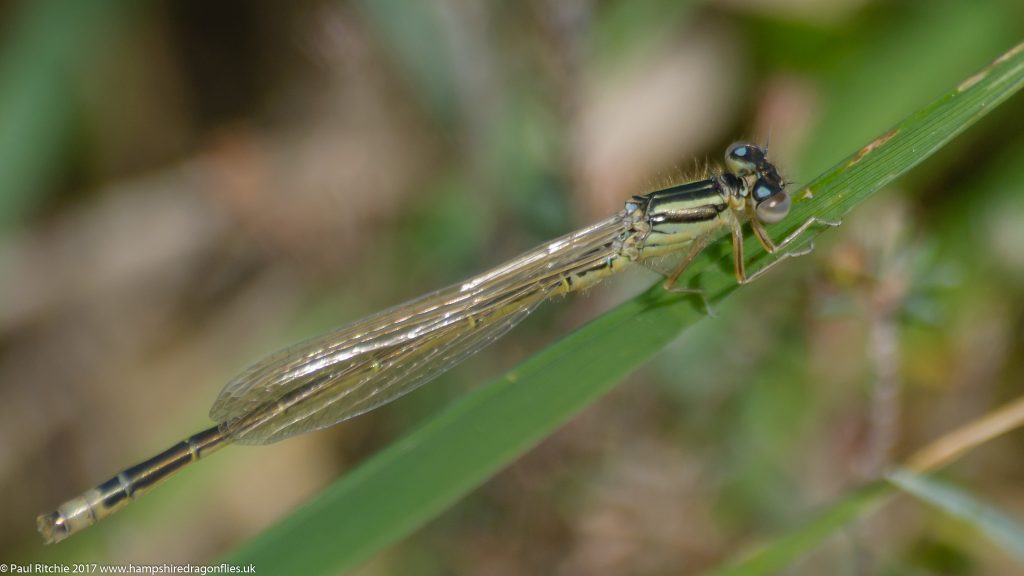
52,526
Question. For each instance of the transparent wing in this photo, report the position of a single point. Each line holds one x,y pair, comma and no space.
373,361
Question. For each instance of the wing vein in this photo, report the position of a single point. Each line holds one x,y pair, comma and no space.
370,362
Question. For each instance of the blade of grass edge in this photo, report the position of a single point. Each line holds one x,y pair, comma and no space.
418,476
781,551
777,554
957,502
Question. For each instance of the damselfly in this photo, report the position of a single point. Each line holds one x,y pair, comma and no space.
361,366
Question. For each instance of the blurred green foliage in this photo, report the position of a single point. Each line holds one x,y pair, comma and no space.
45,51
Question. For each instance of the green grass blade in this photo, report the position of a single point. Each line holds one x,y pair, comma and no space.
998,527
783,551
420,475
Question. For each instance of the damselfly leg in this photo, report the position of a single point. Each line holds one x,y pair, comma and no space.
742,277
671,281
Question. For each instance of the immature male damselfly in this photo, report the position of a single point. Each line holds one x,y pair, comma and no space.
370,362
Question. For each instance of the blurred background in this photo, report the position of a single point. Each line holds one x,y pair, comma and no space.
186,186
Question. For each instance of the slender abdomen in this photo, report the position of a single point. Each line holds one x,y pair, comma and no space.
108,497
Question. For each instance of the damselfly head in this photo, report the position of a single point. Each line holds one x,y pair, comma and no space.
768,196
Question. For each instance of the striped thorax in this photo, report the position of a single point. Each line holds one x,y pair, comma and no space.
750,188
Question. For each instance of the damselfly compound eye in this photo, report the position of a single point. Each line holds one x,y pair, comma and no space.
772,203
744,159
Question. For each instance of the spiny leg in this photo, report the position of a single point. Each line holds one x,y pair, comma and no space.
696,247
740,264
771,247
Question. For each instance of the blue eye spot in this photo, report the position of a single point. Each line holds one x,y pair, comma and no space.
762,192
741,151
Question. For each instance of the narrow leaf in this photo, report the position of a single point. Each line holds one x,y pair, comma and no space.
1000,528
